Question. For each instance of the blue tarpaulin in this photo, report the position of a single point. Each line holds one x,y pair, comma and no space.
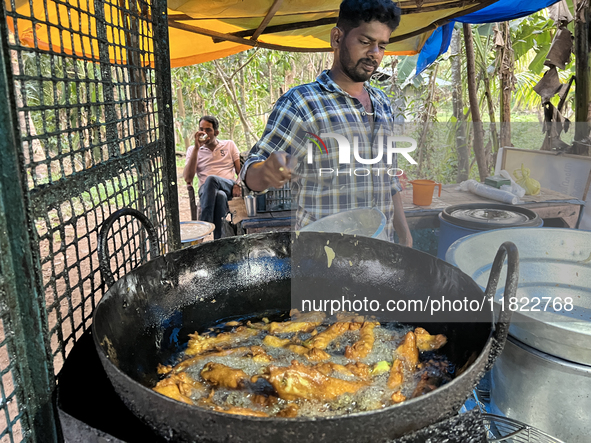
500,11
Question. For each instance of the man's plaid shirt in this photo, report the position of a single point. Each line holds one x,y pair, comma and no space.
323,107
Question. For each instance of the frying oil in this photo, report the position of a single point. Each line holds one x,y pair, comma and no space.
377,395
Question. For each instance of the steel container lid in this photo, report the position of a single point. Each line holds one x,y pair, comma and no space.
484,216
554,269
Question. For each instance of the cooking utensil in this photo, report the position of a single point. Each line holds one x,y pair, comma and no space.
544,391
145,319
555,264
368,222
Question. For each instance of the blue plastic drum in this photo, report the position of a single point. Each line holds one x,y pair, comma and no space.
459,221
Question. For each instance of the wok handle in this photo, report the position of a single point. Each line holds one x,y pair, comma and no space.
103,249
501,327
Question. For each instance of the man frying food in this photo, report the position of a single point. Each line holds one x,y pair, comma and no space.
342,106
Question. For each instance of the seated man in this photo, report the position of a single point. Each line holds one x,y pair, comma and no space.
217,163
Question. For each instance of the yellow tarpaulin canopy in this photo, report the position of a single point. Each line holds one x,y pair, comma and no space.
204,30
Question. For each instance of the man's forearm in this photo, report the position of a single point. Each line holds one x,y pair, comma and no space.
255,177
190,168
399,221
274,172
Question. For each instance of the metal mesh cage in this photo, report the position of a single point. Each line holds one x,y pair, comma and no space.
10,415
90,84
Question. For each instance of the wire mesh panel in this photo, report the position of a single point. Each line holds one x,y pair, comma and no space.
10,416
91,93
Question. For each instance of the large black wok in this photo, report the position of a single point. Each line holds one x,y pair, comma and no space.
144,319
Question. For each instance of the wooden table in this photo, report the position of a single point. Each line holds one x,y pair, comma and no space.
548,204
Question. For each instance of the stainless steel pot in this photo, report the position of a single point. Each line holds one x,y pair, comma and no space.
555,265
543,391
543,377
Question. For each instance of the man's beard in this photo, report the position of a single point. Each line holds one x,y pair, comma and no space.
354,70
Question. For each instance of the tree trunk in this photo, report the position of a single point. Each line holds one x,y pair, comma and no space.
476,120
427,119
271,98
583,85
229,86
187,136
506,74
491,113
458,108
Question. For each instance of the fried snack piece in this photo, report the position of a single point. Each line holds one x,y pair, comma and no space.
276,342
292,326
322,340
198,344
297,349
362,347
259,355
427,384
436,373
312,316
179,387
221,375
286,327
163,370
264,401
316,354
355,326
329,367
428,342
172,391
188,386
234,410
397,397
300,381
289,411
408,351
360,370
311,354
239,352
396,375
407,358
350,317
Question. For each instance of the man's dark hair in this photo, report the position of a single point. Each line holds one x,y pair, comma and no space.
354,12
211,119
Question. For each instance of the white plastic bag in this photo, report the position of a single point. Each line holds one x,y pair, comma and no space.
489,192
514,188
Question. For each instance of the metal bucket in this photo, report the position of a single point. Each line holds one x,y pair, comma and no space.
554,265
544,391
367,222
543,377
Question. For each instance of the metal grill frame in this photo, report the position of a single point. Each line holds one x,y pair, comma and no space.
115,115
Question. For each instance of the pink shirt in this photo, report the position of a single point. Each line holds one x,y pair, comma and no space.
218,162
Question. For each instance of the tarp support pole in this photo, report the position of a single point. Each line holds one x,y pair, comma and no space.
583,78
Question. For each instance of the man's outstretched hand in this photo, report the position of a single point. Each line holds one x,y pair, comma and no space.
272,173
